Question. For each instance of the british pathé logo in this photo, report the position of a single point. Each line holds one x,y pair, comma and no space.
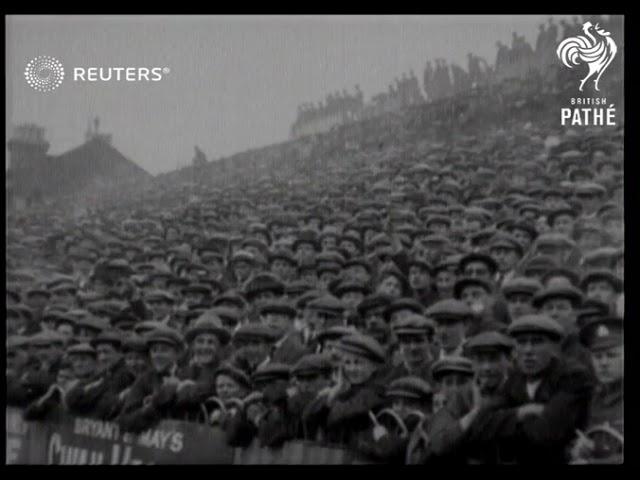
597,52
44,73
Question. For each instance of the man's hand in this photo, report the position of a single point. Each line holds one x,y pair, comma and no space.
583,447
530,409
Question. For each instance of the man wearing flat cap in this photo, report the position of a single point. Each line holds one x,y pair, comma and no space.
152,396
414,335
451,432
280,316
546,397
95,397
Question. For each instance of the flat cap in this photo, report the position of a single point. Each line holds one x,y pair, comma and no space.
488,341
335,333
166,335
450,365
478,257
258,331
601,275
328,304
362,346
465,282
312,364
271,372
449,310
537,324
263,282
208,322
558,289
113,337
81,349
522,285
409,387
404,303
237,374
46,338
414,324
278,306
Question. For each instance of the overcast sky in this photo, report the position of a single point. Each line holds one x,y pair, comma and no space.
235,82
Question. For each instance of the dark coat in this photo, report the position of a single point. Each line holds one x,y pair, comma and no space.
347,418
565,391
96,397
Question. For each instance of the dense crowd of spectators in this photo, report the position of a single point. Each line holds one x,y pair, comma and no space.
412,299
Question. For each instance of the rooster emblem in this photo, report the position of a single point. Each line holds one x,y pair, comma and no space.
597,53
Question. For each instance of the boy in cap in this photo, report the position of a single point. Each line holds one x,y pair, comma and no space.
602,285
451,431
546,397
340,414
393,429
280,316
518,293
451,318
253,344
604,338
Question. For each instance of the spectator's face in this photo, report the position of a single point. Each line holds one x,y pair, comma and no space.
136,362
194,298
589,202
352,298
242,270
553,201
84,366
326,278
160,308
534,353
450,334
17,359
476,297
227,388
107,354
309,275
589,241
205,347
519,304
452,382
305,251
440,228
162,356
561,310
357,369
14,323
478,270
66,298
506,258
601,290
445,281
523,238
563,224
415,349
609,364
172,234
86,334
349,247
419,278
615,228
328,243
391,286
37,302
358,273
64,377
471,225
312,383
491,369
282,269
278,321
255,350
67,330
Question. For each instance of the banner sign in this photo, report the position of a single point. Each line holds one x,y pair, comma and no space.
84,441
